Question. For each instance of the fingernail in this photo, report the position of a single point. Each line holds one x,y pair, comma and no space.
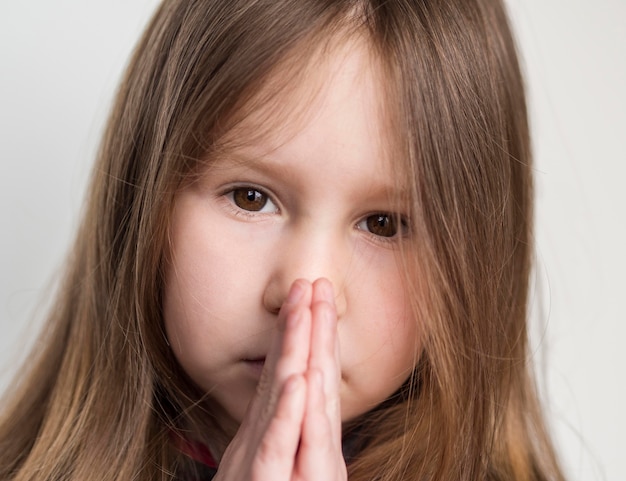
295,293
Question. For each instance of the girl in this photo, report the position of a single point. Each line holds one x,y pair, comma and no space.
305,255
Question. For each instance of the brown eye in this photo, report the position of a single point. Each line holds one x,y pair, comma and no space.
249,199
383,225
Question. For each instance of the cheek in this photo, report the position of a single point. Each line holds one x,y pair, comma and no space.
212,299
189,323
200,289
380,342
385,312
389,334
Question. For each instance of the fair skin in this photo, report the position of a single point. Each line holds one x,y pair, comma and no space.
284,296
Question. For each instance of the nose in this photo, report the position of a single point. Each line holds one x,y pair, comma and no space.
308,255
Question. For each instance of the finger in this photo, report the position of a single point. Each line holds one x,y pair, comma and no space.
272,454
288,353
276,453
299,297
318,457
324,355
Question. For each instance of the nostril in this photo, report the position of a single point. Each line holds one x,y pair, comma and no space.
273,308
279,292
273,298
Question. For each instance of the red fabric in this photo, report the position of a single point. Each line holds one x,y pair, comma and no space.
195,450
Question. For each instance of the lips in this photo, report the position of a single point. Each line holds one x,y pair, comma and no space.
255,364
255,360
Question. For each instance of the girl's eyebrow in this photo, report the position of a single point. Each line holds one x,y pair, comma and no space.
237,162
267,166
262,163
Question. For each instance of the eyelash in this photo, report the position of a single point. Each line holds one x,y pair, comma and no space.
400,227
399,222
241,211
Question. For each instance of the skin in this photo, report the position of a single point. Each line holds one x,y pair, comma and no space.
284,298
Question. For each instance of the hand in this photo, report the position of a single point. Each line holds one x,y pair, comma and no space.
292,430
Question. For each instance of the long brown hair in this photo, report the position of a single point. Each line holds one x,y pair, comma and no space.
103,392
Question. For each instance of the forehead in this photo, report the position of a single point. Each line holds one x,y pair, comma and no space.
305,99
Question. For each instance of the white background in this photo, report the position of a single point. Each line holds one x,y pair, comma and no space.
59,65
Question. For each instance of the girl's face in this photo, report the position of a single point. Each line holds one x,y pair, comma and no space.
313,200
